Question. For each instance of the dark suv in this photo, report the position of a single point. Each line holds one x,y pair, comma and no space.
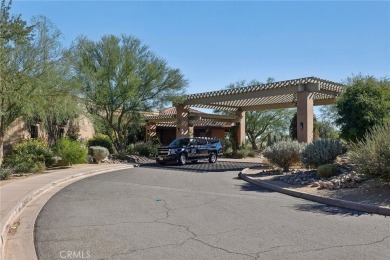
182,150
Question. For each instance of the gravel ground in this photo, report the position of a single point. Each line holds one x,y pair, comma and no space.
369,192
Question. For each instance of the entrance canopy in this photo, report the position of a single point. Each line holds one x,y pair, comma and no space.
282,94
301,93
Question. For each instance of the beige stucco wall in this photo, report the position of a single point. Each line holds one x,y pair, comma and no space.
87,130
18,131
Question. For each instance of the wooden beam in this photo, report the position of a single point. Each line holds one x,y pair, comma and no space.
323,102
234,96
269,106
161,120
213,116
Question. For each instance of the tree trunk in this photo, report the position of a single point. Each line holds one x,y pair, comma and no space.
253,142
1,149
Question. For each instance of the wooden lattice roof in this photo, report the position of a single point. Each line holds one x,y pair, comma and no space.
167,118
280,94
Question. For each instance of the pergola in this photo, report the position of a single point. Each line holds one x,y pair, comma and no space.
302,93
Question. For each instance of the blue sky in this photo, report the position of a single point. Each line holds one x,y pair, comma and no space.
215,43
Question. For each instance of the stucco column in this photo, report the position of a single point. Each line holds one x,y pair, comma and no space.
183,127
150,130
241,127
305,116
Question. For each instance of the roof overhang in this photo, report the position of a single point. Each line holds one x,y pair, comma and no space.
282,94
196,119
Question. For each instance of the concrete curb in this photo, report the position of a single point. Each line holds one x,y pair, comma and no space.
24,201
325,200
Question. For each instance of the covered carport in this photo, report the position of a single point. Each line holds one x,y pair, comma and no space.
186,122
301,93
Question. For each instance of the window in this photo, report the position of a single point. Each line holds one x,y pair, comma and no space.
34,131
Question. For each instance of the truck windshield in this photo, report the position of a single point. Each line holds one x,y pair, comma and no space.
180,142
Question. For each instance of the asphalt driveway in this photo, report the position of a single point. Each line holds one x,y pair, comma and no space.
199,211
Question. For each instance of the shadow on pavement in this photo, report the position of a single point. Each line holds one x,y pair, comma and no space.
328,210
220,166
250,187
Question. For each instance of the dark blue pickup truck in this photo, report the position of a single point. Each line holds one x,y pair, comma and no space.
183,150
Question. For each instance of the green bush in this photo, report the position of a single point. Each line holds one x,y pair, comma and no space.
372,154
71,151
30,156
321,152
98,153
326,171
5,173
364,104
241,153
228,152
251,153
101,140
283,154
143,148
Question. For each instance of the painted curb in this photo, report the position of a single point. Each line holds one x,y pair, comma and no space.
23,203
325,200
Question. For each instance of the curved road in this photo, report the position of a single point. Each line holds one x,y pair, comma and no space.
199,211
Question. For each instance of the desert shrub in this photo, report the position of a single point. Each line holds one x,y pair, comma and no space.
101,140
228,152
244,152
143,148
241,153
120,156
321,152
283,154
98,153
5,173
30,156
326,170
59,162
251,153
372,154
71,151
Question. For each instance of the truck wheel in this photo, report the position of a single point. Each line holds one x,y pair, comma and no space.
182,159
213,158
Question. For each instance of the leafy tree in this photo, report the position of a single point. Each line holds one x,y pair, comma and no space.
32,78
121,77
327,124
54,90
364,104
326,130
329,113
13,31
261,123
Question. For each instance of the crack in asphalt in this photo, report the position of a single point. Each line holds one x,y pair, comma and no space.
341,246
270,249
223,249
195,237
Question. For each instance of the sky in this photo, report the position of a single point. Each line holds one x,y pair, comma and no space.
215,43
